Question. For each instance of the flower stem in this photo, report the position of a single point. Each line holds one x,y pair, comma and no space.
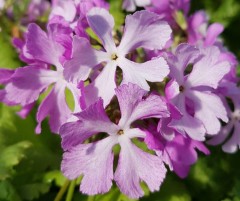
62,191
71,190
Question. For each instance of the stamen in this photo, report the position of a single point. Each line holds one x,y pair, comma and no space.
120,132
114,57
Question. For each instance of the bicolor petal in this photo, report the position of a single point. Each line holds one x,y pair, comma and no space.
209,105
102,23
41,47
134,105
84,58
54,106
153,71
91,121
133,167
144,29
94,161
21,92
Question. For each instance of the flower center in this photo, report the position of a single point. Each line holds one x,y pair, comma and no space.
120,132
181,88
114,56
236,115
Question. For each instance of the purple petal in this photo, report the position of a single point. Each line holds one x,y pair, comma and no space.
135,106
187,124
54,106
91,121
153,71
209,105
144,29
133,166
94,161
83,60
233,144
28,82
208,71
66,9
5,75
41,47
222,135
129,5
185,54
26,110
102,24
214,30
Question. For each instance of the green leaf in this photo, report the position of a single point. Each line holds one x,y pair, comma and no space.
11,156
172,189
113,194
117,12
8,55
55,176
7,192
32,191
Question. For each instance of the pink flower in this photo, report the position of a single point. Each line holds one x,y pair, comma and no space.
27,83
193,93
142,29
95,160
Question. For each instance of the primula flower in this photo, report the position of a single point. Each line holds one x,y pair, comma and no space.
28,82
131,5
193,93
142,29
95,160
178,152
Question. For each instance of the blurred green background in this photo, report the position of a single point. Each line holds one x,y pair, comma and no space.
29,163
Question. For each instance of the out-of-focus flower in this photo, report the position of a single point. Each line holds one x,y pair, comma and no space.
192,93
131,5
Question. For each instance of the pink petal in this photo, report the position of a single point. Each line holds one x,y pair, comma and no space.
185,54
94,161
28,82
41,47
54,106
187,124
5,75
129,5
91,121
233,144
26,110
209,105
84,58
144,29
142,3
134,165
102,23
214,30
153,71
208,71
222,135
64,8
135,106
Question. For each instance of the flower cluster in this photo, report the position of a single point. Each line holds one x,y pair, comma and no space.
149,95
